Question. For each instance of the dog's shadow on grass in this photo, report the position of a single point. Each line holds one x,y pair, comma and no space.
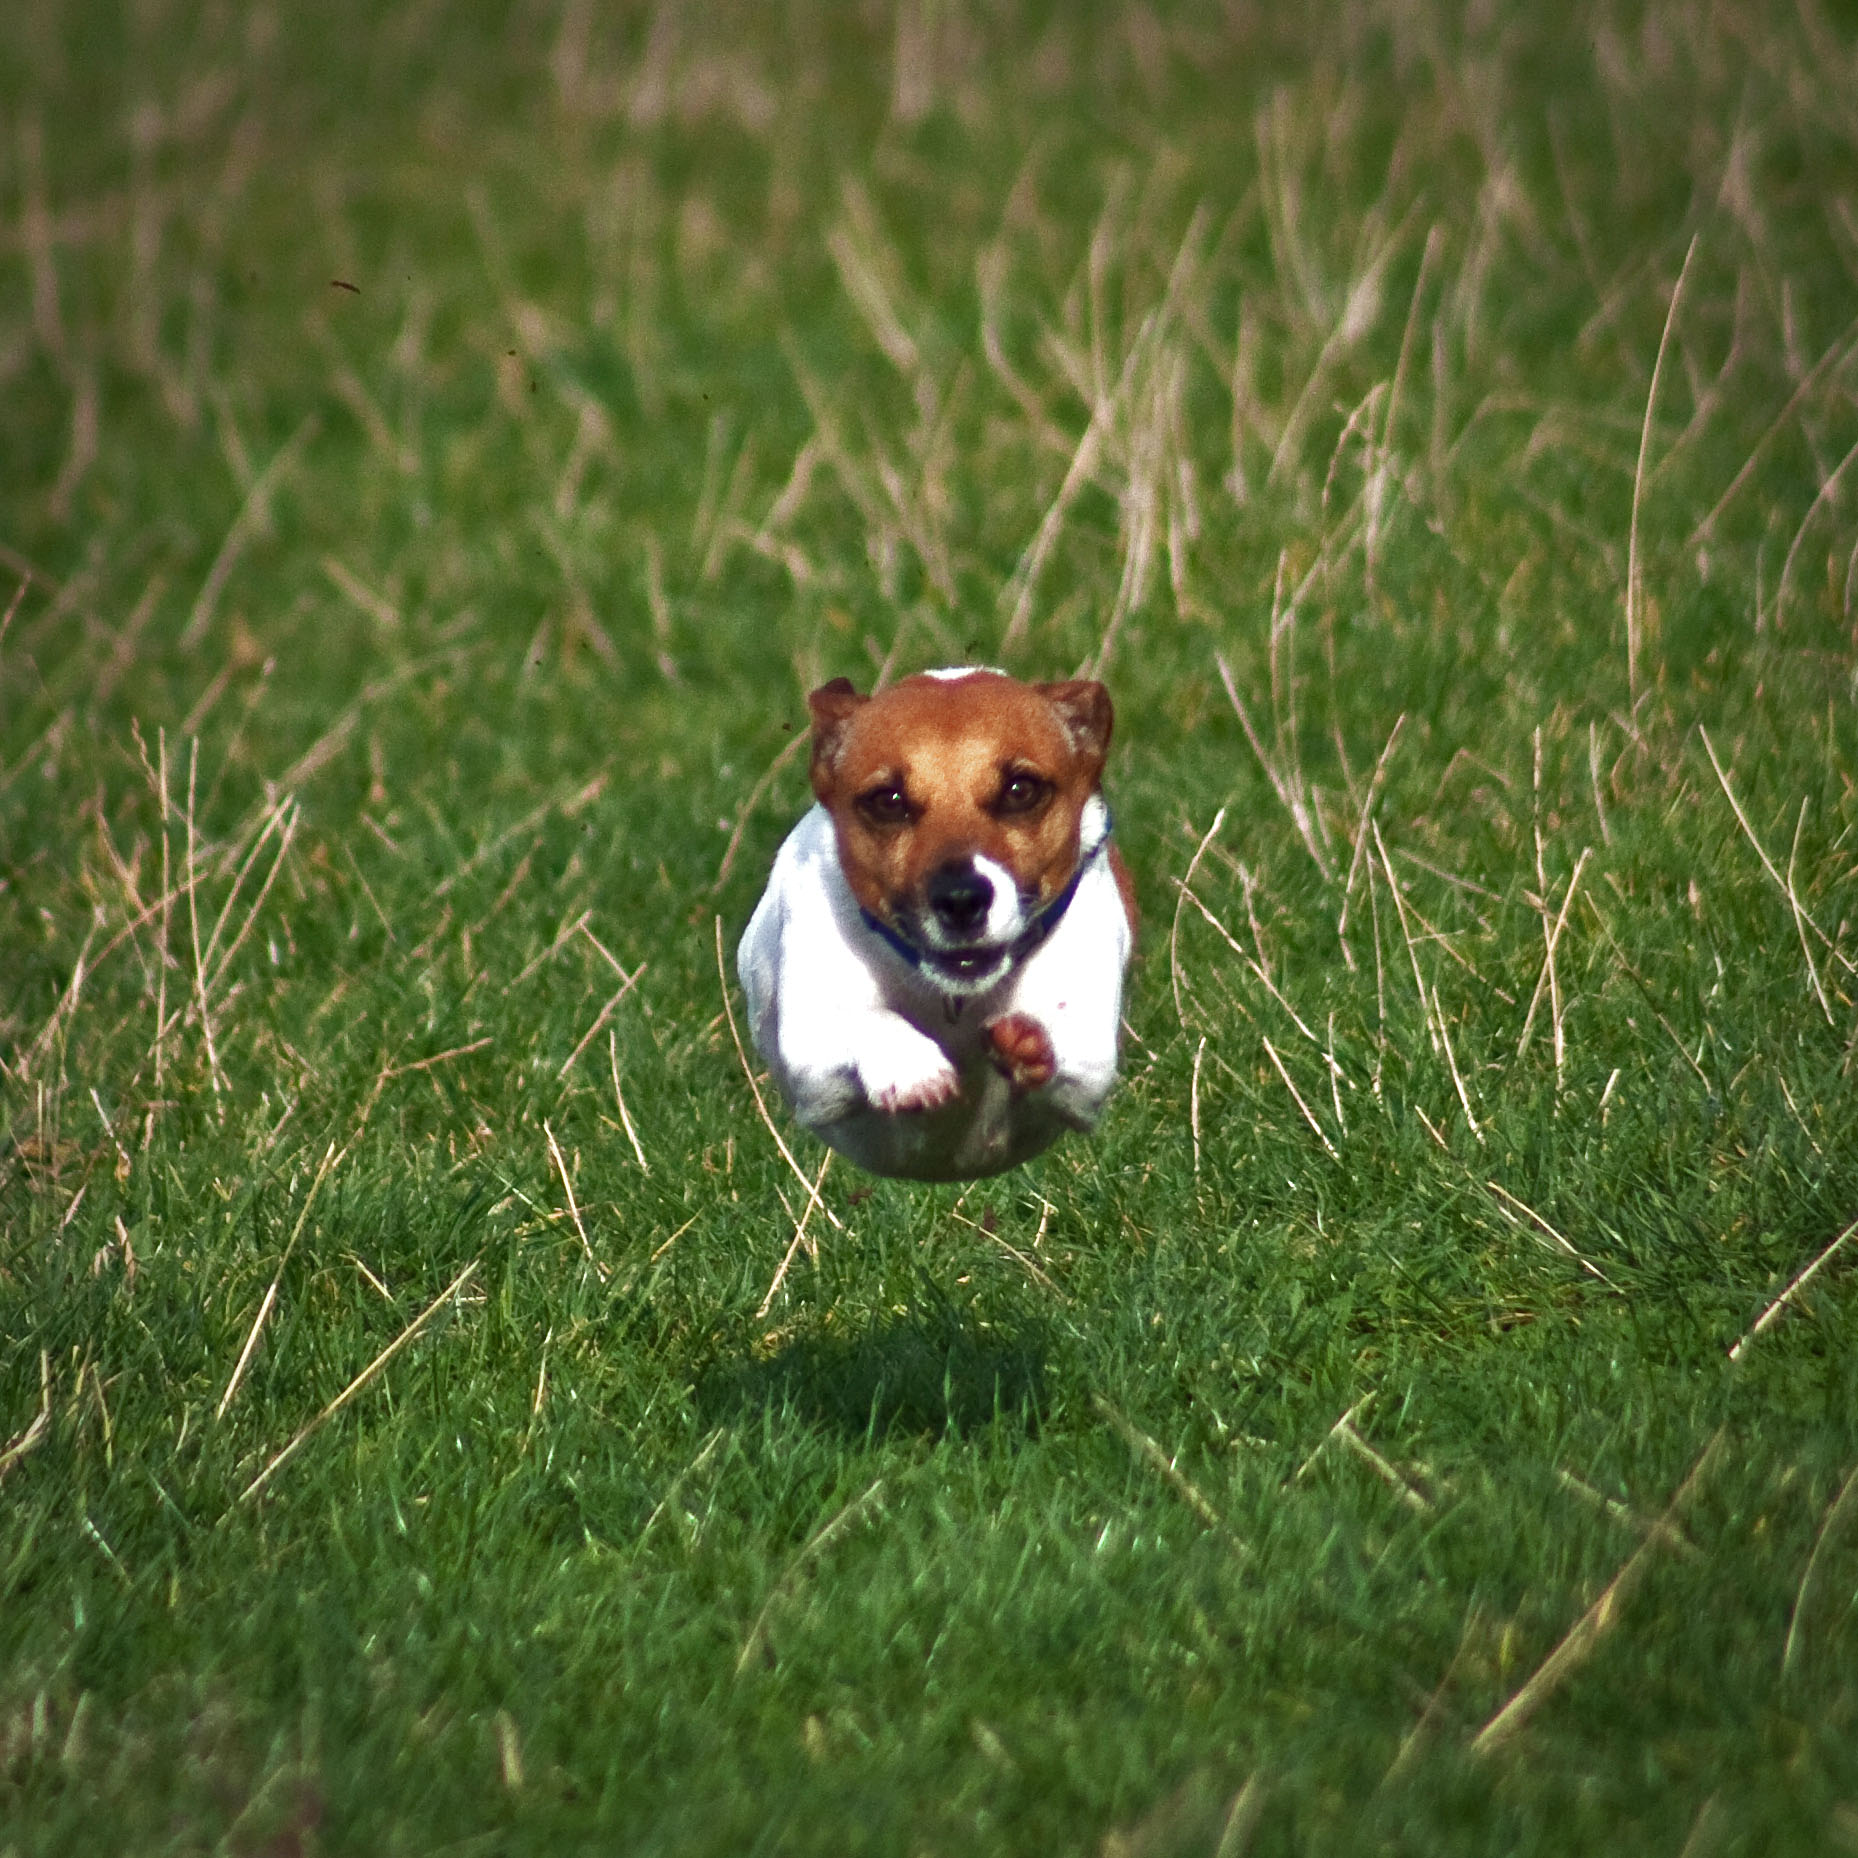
929,1372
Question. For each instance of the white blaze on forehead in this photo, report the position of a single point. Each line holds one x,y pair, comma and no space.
953,673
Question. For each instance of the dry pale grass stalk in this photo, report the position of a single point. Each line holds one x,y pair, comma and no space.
1435,1013
990,278
1802,920
103,1412
1290,788
755,794
574,1211
1793,897
705,1452
360,1381
1022,587
35,1431
1249,960
1793,1109
1797,1284
1520,1213
1441,939
799,1238
1193,1102
1834,357
1184,889
509,1751
377,606
1296,1096
1013,1252
1593,774
1408,1492
1337,1078
821,1539
606,1012
1599,1618
1361,834
1412,951
1348,1419
664,1245
1148,1452
66,1006
193,918
1706,1830
619,1098
1547,978
1845,1502
123,1163
253,516
1417,1738
563,936
438,1058
1829,495
1458,1083
1242,1818
13,606
573,805
1674,1538
164,947
331,1156
1360,307
1345,1432
1634,592
286,817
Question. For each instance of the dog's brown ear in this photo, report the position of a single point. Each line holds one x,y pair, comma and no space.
833,706
1084,708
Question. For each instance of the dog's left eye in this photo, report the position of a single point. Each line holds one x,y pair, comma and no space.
1022,792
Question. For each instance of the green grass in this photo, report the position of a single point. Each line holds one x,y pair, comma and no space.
395,658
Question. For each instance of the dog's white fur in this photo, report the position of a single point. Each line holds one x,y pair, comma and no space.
889,1063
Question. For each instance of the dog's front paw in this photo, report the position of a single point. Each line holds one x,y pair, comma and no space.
906,1072
1022,1048
927,1093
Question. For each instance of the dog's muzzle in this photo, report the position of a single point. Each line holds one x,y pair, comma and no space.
960,899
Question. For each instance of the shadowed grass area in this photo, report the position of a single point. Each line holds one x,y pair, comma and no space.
442,447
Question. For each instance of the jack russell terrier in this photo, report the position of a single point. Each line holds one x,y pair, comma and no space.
935,971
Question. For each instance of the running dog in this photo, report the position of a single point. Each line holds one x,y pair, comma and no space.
934,973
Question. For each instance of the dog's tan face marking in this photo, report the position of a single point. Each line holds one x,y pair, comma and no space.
939,771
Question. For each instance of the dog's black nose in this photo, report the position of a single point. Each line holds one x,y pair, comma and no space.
960,897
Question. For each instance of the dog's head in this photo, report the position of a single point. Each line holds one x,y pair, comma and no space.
962,801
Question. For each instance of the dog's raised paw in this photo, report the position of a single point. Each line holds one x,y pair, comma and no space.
1022,1048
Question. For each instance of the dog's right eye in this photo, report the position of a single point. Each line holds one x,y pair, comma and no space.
886,806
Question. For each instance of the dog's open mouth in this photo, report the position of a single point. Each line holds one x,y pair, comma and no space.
966,964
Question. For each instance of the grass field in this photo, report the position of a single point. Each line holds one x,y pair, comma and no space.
442,444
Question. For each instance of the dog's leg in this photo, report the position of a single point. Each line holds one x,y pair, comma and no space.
900,1068
838,1058
816,1004
1070,995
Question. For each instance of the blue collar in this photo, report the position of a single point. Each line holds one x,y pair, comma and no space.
1020,947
